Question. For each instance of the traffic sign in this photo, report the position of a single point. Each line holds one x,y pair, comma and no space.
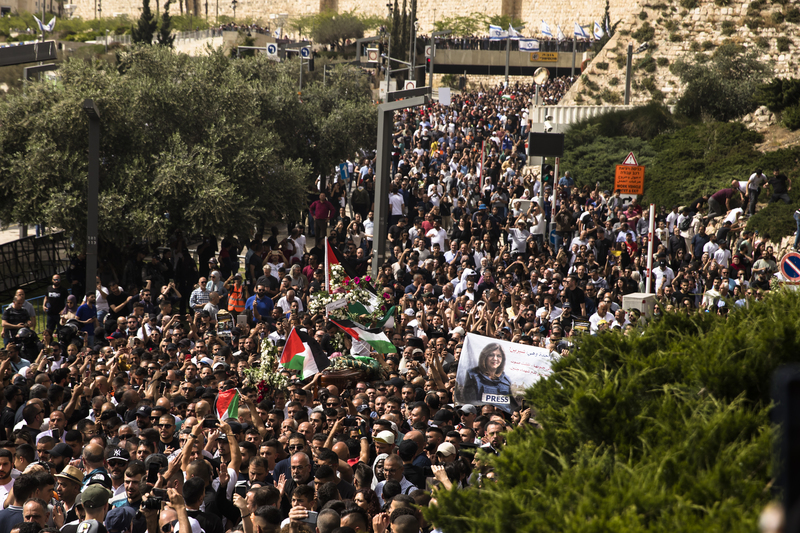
428,51
272,49
790,266
410,84
630,160
629,179
553,237
305,52
372,55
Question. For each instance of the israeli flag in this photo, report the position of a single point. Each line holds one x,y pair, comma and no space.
496,33
580,32
598,31
561,36
608,32
546,29
529,45
514,34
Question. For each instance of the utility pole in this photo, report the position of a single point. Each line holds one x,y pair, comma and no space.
628,75
92,193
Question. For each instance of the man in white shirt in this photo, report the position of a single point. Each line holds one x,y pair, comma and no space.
437,235
518,237
754,183
664,275
285,303
723,255
369,226
672,219
601,314
711,246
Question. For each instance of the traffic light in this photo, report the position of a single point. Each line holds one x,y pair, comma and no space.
311,63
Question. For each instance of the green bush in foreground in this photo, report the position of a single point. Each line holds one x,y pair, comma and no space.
668,431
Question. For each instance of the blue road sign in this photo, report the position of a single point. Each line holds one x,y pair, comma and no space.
553,237
790,266
305,52
272,49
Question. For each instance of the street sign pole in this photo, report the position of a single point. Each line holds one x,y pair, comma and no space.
651,229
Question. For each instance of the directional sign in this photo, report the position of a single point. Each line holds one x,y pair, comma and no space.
630,160
305,52
272,49
790,266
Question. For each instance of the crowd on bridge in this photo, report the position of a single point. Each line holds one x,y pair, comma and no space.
117,413
474,42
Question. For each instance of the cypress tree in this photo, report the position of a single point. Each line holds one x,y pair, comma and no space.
165,37
146,26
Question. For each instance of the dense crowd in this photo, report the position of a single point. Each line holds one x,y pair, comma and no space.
546,44
112,417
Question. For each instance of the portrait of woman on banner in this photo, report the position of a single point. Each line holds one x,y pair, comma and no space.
488,382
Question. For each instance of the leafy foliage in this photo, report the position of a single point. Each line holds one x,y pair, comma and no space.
667,431
791,117
779,94
332,28
475,23
720,86
218,144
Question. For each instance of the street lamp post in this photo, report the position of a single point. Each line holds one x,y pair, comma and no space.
233,6
92,192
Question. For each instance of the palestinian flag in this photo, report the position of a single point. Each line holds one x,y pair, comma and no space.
378,341
303,353
357,309
335,257
228,404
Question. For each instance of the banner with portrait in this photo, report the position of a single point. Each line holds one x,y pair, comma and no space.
497,372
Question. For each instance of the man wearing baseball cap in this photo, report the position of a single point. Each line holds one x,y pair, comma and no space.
95,502
60,456
117,460
384,442
68,487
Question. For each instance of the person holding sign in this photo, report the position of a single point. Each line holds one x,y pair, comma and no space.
488,382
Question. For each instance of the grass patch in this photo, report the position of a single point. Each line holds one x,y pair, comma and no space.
728,27
601,65
645,33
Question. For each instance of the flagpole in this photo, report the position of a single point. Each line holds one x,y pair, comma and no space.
508,56
327,268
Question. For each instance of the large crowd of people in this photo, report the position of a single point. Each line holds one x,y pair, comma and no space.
112,414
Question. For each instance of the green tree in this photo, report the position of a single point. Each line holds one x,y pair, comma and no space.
165,37
723,85
219,144
146,26
660,432
334,29
463,26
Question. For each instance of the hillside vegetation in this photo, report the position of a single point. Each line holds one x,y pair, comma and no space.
667,431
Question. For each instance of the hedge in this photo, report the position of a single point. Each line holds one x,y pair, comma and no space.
667,431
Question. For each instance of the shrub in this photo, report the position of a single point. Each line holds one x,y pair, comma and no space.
777,17
578,98
675,37
695,46
670,25
662,61
762,42
783,44
676,419
722,3
645,33
611,97
642,15
779,94
791,117
620,60
728,27
649,84
753,23
688,4
450,80
793,15
707,45
590,84
601,65
613,81
647,64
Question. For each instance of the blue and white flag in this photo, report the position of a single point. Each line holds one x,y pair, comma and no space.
529,45
514,34
608,32
598,31
580,32
546,29
496,33
561,36
45,27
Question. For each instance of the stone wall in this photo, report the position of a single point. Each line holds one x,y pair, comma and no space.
678,33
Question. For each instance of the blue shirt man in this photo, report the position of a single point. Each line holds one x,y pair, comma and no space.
87,316
566,182
260,305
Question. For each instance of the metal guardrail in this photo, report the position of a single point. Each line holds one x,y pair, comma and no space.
28,263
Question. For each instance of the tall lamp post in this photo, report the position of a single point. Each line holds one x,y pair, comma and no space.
234,3
92,192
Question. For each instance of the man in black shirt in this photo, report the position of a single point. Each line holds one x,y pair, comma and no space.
167,443
54,302
575,296
15,317
781,185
